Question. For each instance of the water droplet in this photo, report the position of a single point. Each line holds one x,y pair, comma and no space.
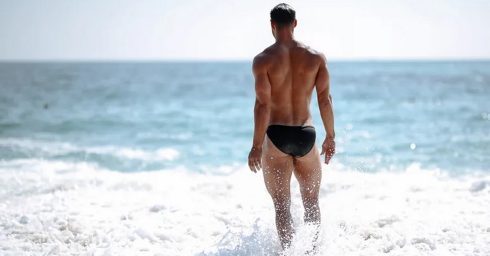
413,146
485,116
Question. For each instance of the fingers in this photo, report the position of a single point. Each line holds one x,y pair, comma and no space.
254,160
251,165
254,164
257,165
324,148
329,155
327,158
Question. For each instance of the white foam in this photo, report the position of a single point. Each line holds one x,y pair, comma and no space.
162,154
62,208
57,148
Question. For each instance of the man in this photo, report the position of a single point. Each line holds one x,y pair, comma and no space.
284,139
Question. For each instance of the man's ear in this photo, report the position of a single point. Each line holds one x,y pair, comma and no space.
273,27
295,22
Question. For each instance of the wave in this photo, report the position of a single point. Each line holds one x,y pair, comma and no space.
41,148
61,207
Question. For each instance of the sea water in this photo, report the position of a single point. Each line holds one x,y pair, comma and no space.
139,117
149,158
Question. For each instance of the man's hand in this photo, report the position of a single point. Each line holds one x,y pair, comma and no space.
254,161
328,148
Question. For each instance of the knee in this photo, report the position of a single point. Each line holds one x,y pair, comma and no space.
283,215
310,194
280,197
282,207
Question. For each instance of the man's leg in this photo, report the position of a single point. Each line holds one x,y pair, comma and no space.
277,170
308,172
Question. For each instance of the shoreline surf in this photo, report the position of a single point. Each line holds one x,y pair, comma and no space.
57,207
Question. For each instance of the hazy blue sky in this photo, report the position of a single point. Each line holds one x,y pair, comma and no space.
235,29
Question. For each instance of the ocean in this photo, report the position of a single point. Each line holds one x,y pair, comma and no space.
150,159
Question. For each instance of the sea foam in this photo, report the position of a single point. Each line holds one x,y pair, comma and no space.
52,207
42,148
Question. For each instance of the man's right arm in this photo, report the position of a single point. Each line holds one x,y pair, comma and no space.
325,104
261,112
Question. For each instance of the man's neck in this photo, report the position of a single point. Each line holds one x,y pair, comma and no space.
285,37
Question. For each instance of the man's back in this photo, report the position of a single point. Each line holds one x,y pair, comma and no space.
291,70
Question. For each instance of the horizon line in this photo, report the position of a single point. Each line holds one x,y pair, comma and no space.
186,60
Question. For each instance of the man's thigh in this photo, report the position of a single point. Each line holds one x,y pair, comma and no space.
277,168
308,172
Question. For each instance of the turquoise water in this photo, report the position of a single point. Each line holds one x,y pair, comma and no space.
198,116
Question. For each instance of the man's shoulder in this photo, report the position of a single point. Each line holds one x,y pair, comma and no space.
266,53
263,59
314,54
317,55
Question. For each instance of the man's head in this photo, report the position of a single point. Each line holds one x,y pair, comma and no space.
282,16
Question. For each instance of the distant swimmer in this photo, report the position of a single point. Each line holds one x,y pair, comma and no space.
284,137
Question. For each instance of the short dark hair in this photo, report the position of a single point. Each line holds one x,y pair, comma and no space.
283,14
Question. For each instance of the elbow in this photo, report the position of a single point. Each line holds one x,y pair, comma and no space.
325,101
261,106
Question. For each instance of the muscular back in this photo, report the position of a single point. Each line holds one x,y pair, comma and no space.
291,73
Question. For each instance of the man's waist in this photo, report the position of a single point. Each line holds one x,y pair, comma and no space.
291,122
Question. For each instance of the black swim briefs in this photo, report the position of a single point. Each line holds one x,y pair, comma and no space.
296,141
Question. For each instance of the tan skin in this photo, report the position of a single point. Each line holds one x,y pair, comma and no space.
285,75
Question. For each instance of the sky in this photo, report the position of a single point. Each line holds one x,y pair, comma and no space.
238,30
